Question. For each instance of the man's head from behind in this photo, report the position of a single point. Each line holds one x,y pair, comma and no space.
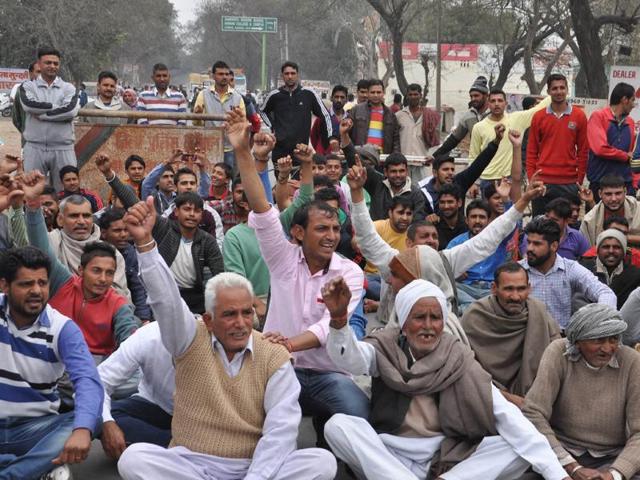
97,268
228,301
511,287
189,207
422,232
543,238
396,170
559,210
400,213
611,246
612,192
112,228
315,226
450,200
24,279
75,217
444,169
70,178
477,216
185,180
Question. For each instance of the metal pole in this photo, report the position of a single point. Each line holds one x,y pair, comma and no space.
438,62
87,112
264,61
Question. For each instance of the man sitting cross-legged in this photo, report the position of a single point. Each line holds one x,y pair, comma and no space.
429,398
236,411
509,331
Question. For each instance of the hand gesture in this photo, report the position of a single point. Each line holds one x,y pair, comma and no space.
304,153
198,109
336,296
33,184
433,218
285,165
535,189
503,187
499,129
586,195
589,474
10,163
357,176
263,144
176,157
197,158
113,441
428,160
140,220
346,124
515,137
277,337
237,129
76,448
103,164
10,191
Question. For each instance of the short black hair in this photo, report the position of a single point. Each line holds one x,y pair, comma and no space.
442,159
340,88
477,205
291,64
107,74
49,190
611,181
362,84
620,91
413,228
554,77
183,171
560,206
498,91
13,259
97,249
219,64
42,51
451,189
574,199
134,158
237,180
319,159
397,98
489,190
395,159
332,156
68,169
509,267
547,228
322,181
351,97
619,219
403,201
376,81
189,198
327,194
32,66
160,67
414,87
301,215
109,216
228,170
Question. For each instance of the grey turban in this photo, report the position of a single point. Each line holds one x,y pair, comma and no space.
590,322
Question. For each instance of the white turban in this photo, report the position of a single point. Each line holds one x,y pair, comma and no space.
414,291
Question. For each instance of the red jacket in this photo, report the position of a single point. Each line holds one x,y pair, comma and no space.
558,146
95,317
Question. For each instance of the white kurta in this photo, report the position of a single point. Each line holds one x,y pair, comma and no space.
372,456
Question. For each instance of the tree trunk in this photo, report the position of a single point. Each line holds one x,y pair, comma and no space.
397,35
509,58
586,30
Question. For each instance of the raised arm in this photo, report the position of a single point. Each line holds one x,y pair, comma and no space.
124,193
469,175
177,324
516,166
285,165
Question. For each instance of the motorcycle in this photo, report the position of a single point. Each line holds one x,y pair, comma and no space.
6,107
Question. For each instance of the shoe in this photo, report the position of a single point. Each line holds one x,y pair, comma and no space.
62,472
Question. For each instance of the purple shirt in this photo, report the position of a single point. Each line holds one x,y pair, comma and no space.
296,302
572,246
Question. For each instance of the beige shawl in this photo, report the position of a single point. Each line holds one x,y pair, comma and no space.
591,226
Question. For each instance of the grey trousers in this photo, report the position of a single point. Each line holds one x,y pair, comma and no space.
49,162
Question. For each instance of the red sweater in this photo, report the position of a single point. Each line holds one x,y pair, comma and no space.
95,317
558,146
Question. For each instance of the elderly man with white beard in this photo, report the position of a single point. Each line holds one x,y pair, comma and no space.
433,408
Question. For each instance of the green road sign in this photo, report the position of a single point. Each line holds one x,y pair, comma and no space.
250,24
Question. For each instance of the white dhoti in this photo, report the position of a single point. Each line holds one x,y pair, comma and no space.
144,461
382,456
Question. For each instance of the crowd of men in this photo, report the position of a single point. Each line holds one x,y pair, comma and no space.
191,317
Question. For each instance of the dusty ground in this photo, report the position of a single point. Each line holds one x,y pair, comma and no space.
9,136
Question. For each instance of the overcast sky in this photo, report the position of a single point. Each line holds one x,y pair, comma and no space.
186,9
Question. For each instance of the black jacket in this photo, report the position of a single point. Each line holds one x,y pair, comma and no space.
289,116
623,284
361,116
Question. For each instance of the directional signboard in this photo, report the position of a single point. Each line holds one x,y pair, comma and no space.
250,24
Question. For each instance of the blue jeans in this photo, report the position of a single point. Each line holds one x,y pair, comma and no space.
29,444
323,394
467,294
230,159
358,321
142,421
374,284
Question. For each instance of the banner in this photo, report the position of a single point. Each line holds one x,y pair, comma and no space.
630,75
10,76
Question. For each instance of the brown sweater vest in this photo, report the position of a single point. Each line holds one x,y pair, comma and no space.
213,413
